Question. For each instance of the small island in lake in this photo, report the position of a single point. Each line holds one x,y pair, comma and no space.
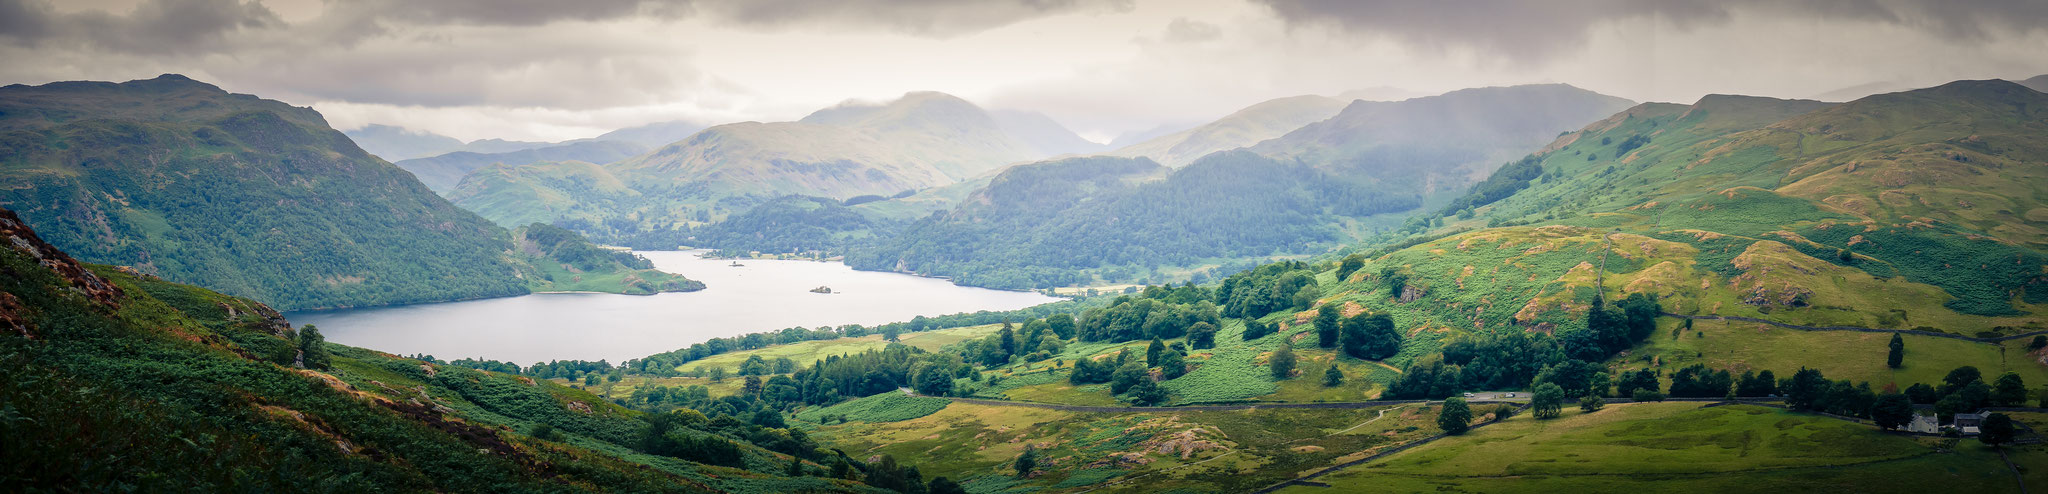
822,289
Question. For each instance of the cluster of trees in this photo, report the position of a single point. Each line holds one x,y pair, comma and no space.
1507,360
1039,340
1366,335
1146,317
1270,288
1963,390
1609,331
1132,375
666,363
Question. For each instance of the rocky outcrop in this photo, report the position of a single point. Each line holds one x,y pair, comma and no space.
17,235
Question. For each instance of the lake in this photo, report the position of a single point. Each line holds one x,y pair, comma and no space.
760,296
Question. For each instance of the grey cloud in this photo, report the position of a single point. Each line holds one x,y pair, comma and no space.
154,27
1535,30
935,18
521,12
1183,30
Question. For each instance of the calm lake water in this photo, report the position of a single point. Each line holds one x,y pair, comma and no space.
761,296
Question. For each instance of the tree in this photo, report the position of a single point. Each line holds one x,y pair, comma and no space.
890,332
842,469
1333,377
1756,384
942,485
1547,401
1326,326
1945,410
1959,378
1922,394
1351,264
931,380
1898,352
1643,395
796,467
1173,364
717,374
1590,403
1997,429
1027,462
1807,390
1127,376
1007,337
313,348
1892,411
1202,335
2010,391
2038,342
1282,361
1147,393
1152,352
1456,417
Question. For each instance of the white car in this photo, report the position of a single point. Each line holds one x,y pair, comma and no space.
1509,395
1468,395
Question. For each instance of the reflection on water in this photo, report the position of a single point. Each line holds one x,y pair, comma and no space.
759,296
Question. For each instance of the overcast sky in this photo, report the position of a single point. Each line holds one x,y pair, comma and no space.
553,70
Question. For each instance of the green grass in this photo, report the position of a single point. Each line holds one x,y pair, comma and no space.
1855,356
1680,447
885,407
1235,451
805,352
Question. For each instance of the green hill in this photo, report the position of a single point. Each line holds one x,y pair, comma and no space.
191,183
553,259
1896,211
121,381
1050,224
253,197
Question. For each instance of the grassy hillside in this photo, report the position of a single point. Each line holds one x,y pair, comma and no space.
1680,447
169,387
182,180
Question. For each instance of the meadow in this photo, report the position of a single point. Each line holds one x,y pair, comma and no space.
1682,448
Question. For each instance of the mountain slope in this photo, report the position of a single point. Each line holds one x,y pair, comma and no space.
442,172
652,135
1444,142
397,143
188,182
1266,120
1900,210
1047,224
169,387
1044,136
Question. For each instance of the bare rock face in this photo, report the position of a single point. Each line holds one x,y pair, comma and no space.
17,235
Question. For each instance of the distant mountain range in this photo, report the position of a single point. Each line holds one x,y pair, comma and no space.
1245,127
1321,166
918,141
441,173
